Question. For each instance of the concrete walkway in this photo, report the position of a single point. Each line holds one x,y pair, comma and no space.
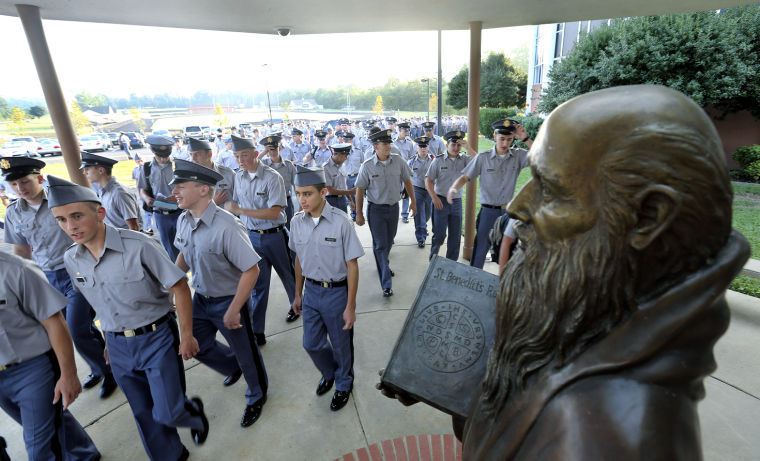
297,425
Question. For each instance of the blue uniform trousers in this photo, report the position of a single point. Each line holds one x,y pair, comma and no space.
338,201
449,217
288,211
351,183
483,224
322,318
79,316
274,252
243,353
383,223
151,375
50,433
423,214
166,225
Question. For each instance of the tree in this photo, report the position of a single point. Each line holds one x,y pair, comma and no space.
18,121
378,107
220,119
36,111
5,111
137,117
434,102
78,119
712,58
457,94
501,84
85,99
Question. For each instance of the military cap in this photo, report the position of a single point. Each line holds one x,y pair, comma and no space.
96,160
62,192
296,131
239,143
369,124
391,119
422,141
454,135
188,171
308,176
271,140
347,135
226,140
404,126
17,167
381,136
343,148
343,121
160,145
428,125
320,134
505,126
199,144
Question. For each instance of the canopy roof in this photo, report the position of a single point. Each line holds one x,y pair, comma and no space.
305,17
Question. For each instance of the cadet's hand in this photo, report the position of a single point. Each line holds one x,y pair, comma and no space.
450,195
188,347
232,208
297,304
220,197
68,387
412,209
402,397
105,355
520,132
150,201
232,319
349,316
170,198
359,218
437,203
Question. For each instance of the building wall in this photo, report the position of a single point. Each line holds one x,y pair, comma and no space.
735,130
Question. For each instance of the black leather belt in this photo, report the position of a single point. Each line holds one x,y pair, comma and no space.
495,207
333,196
382,204
166,212
340,283
142,330
267,231
352,175
420,188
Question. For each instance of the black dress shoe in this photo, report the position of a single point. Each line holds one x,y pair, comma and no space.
109,385
339,400
252,412
387,293
233,378
292,316
91,381
393,274
261,338
421,244
199,436
185,455
405,220
325,385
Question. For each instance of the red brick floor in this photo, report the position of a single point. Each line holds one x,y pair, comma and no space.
435,447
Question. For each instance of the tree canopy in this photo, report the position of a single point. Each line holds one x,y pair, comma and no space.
713,58
501,84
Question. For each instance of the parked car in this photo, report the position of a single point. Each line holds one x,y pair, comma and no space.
114,137
135,139
31,144
104,137
91,143
162,133
49,147
192,132
15,149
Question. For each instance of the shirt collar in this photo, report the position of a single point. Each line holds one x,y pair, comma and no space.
25,205
493,153
113,242
327,211
207,216
110,184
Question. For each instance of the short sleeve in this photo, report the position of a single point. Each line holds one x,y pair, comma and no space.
127,205
352,247
432,171
39,298
362,181
277,195
238,249
406,171
11,235
509,231
472,170
157,262
142,183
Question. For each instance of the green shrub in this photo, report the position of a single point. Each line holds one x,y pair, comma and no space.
747,155
489,115
746,285
739,175
753,170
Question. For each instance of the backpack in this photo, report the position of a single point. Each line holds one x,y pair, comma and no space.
496,233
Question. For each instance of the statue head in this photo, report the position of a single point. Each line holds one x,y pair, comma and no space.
629,194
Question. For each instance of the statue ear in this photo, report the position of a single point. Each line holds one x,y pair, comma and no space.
658,206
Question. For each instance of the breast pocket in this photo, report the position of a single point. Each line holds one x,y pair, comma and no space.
129,285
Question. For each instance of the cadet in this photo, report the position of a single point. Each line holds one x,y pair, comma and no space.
200,153
153,184
352,165
259,201
335,177
498,168
226,157
298,147
124,273
327,249
38,374
120,204
34,234
419,165
404,143
321,152
286,169
447,213
380,178
214,245
436,146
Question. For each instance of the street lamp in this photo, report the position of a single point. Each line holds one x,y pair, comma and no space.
269,102
427,96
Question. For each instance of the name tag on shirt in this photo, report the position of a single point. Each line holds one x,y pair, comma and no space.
22,226
491,170
81,279
375,175
261,193
3,302
222,185
444,168
330,239
180,240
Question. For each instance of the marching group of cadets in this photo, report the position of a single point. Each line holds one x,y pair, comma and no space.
229,225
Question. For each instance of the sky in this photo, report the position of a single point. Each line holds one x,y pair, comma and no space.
117,60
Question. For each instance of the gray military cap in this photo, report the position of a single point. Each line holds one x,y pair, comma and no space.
96,160
308,176
199,144
62,192
239,143
160,145
188,171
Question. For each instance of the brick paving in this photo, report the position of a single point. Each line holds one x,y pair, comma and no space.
429,447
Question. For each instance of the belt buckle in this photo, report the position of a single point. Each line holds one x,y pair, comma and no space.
3,367
260,231
165,212
325,284
129,333
153,327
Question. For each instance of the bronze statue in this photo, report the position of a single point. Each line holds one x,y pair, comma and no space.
608,312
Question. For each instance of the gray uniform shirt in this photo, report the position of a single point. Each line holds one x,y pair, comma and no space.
39,230
26,299
437,146
228,179
335,175
120,204
419,168
407,148
286,169
444,171
498,174
126,284
382,182
354,161
321,156
299,151
324,248
160,177
259,191
216,248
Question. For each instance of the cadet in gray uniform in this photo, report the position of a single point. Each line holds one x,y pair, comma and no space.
419,165
380,178
406,148
286,169
260,201
214,245
124,273
38,374
335,177
352,165
436,146
447,214
321,152
34,234
327,249
498,169
200,153
120,204
298,146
